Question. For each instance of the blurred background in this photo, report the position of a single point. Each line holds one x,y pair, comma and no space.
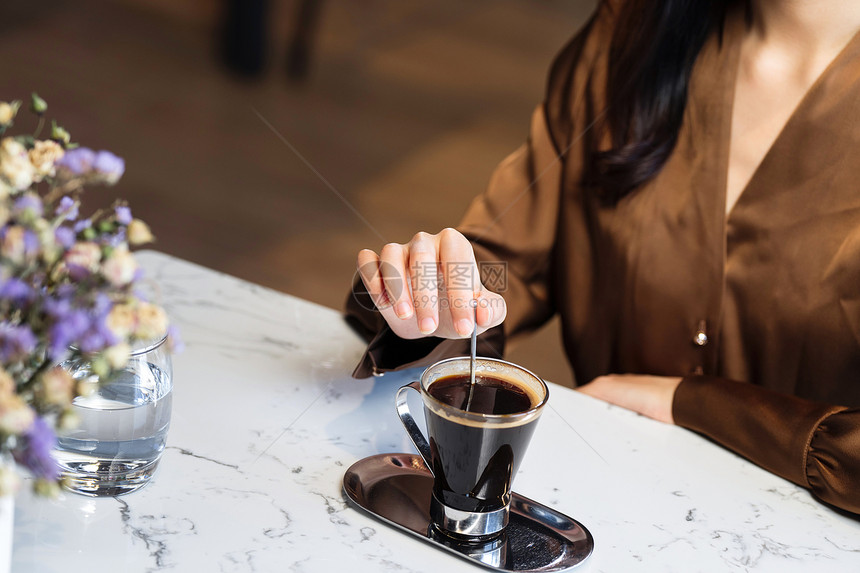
273,139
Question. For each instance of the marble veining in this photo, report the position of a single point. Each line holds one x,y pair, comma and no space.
266,420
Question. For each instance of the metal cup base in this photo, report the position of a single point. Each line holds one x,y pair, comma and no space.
467,525
397,489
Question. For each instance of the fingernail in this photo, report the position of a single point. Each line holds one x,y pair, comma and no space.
488,315
427,325
403,310
464,327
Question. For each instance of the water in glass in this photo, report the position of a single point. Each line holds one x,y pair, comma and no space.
117,444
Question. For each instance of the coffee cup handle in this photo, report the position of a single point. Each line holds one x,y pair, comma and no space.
411,427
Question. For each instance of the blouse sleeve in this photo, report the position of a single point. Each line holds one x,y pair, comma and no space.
812,444
512,226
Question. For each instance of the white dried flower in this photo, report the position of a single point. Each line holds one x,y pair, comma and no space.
15,415
15,166
5,189
138,233
121,321
84,254
13,246
11,146
43,157
120,267
7,112
51,251
7,385
87,386
56,387
118,355
151,322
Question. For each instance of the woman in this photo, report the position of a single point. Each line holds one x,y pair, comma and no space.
687,201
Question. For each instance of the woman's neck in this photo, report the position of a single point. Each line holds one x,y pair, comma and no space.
808,26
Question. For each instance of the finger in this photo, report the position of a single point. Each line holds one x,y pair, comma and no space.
425,285
392,267
368,270
460,279
491,309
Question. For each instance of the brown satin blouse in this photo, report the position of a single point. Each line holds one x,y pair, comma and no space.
759,309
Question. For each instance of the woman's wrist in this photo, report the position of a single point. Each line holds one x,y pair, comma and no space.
651,396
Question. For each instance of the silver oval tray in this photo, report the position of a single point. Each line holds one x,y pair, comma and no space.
396,488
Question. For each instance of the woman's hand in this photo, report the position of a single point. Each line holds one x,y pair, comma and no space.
426,286
650,396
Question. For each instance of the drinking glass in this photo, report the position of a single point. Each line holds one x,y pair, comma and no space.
117,444
473,454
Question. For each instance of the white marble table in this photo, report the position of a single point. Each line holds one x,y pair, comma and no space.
266,419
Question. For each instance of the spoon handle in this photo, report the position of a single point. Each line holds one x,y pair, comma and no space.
474,304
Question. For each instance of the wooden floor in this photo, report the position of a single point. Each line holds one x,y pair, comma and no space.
409,106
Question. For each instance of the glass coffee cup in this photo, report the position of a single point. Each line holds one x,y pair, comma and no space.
478,436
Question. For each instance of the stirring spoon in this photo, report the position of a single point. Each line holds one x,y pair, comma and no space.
474,304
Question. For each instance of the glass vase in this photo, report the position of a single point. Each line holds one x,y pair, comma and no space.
7,529
117,444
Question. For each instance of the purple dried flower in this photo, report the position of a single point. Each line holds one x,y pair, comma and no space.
65,291
85,328
31,243
109,166
28,205
61,338
65,237
174,341
78,161
67,209
123,215
35,455
106,334
16,291
77,273
69,325
16,342
92,341
58,307
98,335
82,224
117,238
104,165
102,304
77,321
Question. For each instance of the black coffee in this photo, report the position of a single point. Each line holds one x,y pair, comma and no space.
490,395
474,462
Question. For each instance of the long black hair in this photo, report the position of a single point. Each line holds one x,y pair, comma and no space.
654,47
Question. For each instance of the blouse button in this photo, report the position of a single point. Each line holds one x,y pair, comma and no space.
701,336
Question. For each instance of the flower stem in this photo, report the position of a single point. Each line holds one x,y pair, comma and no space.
28,385
39,127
